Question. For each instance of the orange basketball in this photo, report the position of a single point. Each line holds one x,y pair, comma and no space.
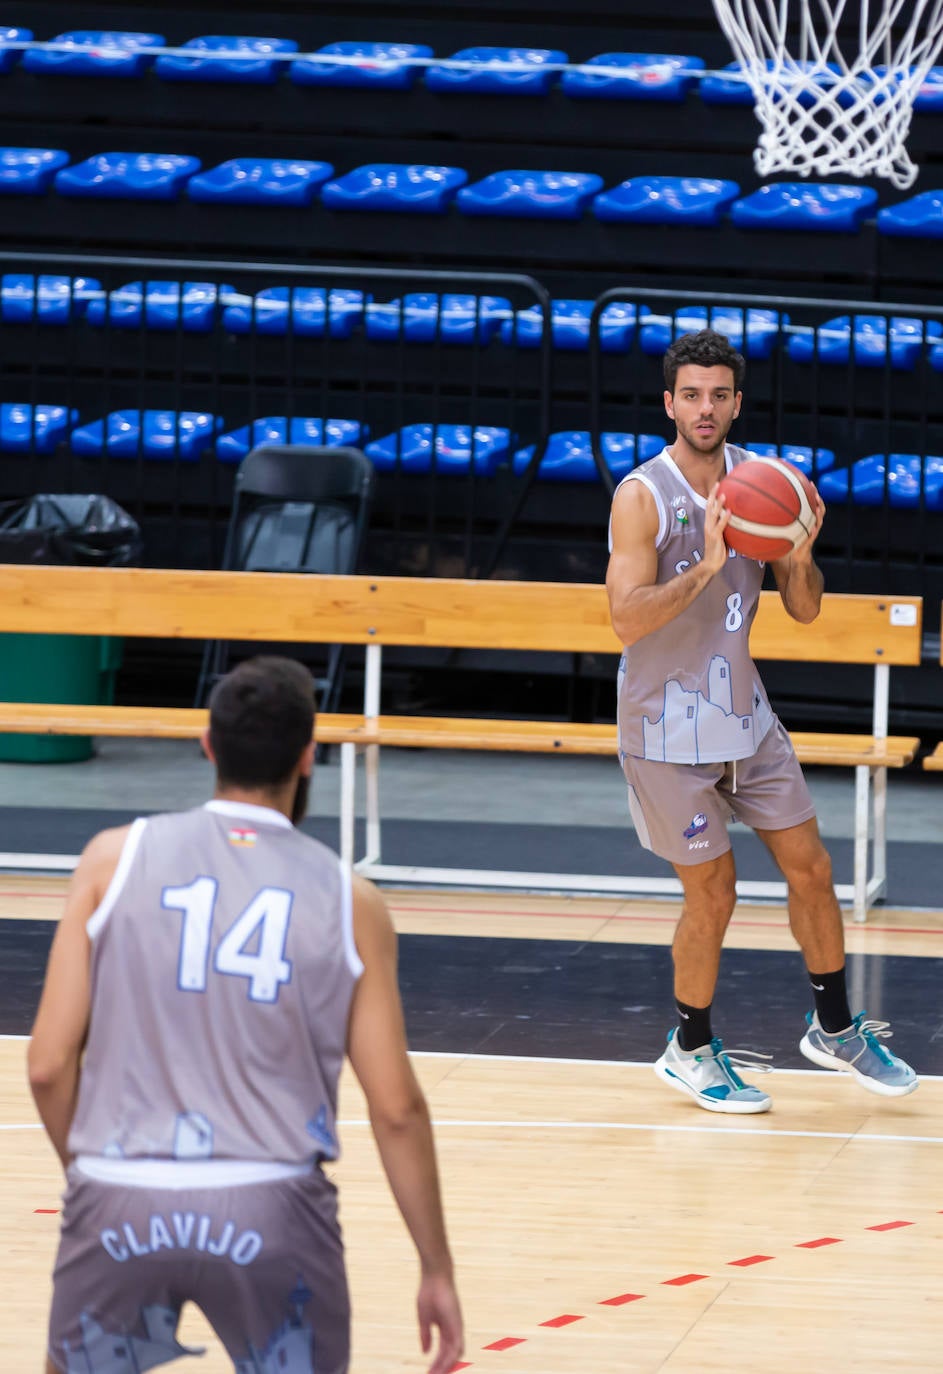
771,505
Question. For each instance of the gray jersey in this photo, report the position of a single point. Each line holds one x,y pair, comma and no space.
690,692
222,970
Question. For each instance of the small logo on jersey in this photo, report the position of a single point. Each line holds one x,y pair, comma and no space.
242,837
697,827
681,515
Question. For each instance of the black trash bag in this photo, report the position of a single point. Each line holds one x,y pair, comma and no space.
88,530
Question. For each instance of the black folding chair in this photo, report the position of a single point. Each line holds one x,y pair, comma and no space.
296,508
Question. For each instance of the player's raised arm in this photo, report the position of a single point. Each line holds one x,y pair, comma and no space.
637,604
399,1117
61,1025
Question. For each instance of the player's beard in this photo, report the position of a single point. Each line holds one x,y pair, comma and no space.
299,805
696,441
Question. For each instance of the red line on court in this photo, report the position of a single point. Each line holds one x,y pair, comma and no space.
621,1299
46,1211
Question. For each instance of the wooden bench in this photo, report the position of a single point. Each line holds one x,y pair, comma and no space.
934,761
379,612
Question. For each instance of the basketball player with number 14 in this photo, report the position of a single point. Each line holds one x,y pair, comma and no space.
698,740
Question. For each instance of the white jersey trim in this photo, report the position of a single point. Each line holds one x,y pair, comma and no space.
659,505
248,811
186,1173
354,961
96,922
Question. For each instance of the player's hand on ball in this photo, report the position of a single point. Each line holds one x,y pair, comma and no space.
716,518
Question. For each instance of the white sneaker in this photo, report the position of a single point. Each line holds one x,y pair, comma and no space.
858,1050
707,1074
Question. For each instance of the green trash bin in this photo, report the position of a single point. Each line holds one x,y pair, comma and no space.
77,528
79,669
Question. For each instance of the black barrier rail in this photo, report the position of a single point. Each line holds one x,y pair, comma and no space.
268,352
851,390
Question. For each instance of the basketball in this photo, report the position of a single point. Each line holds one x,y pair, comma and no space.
772,508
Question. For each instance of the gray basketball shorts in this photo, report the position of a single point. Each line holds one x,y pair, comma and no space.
264,1262
681,810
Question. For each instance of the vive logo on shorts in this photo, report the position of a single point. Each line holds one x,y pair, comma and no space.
697,827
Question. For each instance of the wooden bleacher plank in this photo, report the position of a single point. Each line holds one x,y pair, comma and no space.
439,612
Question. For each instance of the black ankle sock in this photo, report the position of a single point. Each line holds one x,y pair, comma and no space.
694,1026
831,1000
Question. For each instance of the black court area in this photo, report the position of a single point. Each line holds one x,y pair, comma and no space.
581,1000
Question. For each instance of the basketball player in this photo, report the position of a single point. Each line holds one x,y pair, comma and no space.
698,740
214,966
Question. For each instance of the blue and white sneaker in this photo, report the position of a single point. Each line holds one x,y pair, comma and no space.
708,1075
858,1051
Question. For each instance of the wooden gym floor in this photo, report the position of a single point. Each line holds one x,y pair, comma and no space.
601,1224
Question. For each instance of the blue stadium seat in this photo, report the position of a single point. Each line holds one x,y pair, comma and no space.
487,77
258,67
424,317
824,207
936,358
28,171
735,89
530,195
569,455
166,434
95,52
569,326
641,76
160,305
375,64
930,96
260,181
798,454
9,53
309,308
411,188
57,300
34,429
666,200
919,217
902,473
128,176
908,336
454,446
763,328
278,429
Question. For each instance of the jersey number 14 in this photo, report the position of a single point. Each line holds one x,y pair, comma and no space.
264,924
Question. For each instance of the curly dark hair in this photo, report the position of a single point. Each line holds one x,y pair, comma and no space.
706,348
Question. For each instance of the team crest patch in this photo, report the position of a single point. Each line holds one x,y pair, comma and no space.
242,837
697,827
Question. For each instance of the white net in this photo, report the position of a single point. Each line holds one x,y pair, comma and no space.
834,81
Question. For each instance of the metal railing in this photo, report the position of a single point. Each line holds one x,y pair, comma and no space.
231,356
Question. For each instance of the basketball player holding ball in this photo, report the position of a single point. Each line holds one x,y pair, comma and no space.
699,742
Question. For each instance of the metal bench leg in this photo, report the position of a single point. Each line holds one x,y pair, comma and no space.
372,752
862,797
348,798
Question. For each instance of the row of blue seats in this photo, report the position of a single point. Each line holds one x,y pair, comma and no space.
448,448
477,70
420,188
455,318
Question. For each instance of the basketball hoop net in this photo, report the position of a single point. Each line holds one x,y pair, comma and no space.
839,102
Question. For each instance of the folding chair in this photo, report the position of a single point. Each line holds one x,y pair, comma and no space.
296,508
